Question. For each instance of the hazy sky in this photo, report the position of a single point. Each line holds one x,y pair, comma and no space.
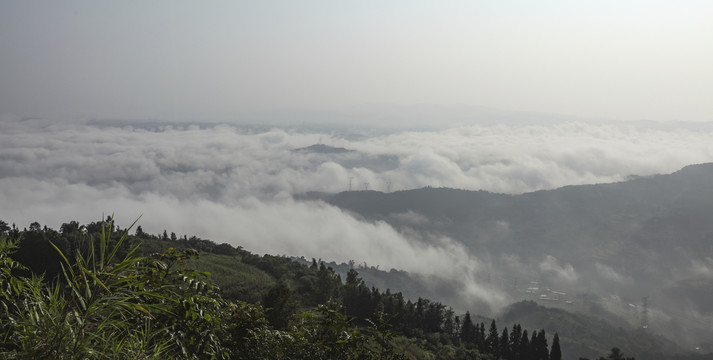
185,60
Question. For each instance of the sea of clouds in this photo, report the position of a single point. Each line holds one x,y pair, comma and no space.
236,184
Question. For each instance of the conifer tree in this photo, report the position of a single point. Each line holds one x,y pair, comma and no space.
515,337
616,354
433,316
525,346
480,338
419,312
449,323
456,328
556,352
468,330
534,346
543,352
492,341
505,344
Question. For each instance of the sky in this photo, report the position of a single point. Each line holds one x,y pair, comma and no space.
225,60
140,109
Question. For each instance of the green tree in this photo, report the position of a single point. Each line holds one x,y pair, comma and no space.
492,340
505,344
140,232
555,351
70,228
327,286
433,316
4,228
279,306
357,296
515,338
616,354
540,346
467,330
449,325
35,252
525,348
480,338
35,226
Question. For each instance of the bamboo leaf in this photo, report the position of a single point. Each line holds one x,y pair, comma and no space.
121,240
60,253
94,276
141,308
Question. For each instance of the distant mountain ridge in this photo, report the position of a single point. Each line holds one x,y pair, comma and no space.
323,149
617,217
647,236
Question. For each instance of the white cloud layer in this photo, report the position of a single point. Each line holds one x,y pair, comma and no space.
236,186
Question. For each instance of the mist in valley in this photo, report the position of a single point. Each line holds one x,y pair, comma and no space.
475,154
480,216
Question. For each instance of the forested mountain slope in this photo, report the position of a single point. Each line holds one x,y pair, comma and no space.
645,237
413,328
607,222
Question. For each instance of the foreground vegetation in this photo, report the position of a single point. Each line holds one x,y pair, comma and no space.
96,291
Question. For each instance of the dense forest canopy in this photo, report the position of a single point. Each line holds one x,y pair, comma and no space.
83,291
97,291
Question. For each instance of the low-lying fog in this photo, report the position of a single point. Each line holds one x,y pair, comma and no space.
235,184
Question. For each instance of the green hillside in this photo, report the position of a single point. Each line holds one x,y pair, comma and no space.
644,237
226,302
